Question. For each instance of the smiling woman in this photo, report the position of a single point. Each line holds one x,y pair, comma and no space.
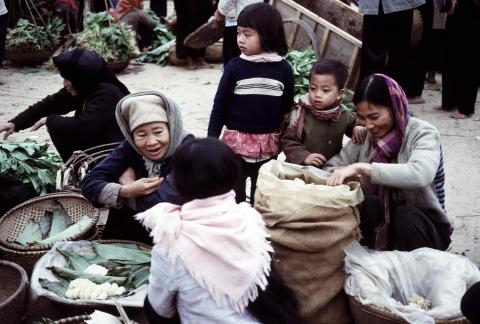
136,173
401,156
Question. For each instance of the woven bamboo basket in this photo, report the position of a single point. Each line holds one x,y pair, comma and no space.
27,57
80,319
13,292
370,314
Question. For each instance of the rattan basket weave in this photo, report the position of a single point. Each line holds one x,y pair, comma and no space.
27,57
13,292
370,314
80,319
14,221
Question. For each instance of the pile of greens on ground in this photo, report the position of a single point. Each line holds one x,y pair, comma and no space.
127,265
110,39
302,62
26,36
32,162
163,39
54,226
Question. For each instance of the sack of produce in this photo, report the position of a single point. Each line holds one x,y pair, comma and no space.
421,286
310,224
205,35
87,273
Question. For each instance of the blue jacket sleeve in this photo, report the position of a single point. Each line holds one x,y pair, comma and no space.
221,103
107,171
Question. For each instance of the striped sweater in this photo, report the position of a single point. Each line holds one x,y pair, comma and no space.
252,97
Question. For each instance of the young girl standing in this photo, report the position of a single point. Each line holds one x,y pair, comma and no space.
255,91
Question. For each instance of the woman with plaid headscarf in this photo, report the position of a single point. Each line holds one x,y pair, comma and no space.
402,156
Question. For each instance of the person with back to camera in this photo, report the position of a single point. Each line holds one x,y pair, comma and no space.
318,122
211,260
403,154
255,92
136,175
91,90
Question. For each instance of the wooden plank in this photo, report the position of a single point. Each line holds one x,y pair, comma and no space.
338,13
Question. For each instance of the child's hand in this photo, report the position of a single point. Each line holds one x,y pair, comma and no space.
315,159
359,134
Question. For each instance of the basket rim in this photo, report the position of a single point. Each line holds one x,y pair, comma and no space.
376,310
43,247
23,284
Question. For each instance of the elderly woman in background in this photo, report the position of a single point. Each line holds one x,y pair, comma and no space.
91,90
402,154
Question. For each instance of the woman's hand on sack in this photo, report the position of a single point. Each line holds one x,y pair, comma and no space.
127,177
350,172
140,187
359,134
8,128
315,159
39,124
219,18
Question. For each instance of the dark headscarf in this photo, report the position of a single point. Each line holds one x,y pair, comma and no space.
85,69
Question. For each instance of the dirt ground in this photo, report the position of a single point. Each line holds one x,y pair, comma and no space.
194,92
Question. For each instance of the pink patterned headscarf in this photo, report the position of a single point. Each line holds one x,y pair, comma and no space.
387,147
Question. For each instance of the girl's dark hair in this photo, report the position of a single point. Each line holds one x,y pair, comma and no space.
267,21
373,89
204,168
277,304
331,67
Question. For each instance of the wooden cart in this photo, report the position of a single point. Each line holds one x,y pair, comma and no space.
331,41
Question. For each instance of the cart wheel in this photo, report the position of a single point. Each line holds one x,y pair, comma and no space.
299,35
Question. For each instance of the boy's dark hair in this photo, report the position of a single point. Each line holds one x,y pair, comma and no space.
204,168
267,21
373,89
331,67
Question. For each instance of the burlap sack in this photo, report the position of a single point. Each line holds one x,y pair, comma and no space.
310,224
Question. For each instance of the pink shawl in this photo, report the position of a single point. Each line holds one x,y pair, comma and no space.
222,244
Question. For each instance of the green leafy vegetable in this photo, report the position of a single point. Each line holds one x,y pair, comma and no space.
163,39
32,162
26,36
301,62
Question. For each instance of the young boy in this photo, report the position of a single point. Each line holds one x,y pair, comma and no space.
318,122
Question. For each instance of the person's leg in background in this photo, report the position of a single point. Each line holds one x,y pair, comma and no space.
371,215
3,35
230,47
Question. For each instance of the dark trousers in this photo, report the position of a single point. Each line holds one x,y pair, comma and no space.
230,48
159,7
248,170
3,35
191,14
470,304
461,77
386,35
410,227
121,225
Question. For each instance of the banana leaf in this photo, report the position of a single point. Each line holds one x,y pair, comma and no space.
60,220
31,233
74,229
57,287
46,224
70,274
76,261
140,277
122,255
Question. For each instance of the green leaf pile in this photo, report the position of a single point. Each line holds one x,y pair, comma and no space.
32,162
163,39
107,37
301,62
128,265
26,36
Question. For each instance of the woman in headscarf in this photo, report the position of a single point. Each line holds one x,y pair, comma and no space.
130,12
91,90
135,176
401,158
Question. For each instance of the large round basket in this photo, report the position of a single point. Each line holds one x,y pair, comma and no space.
27,57
370,314
13,292
80,319
118,66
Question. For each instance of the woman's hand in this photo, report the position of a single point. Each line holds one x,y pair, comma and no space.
140,187
8,128
39,124
219,18
359,134
315,159
344,174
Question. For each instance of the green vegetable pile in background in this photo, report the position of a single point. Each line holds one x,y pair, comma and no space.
26,36
54,226
128,265
32,162
163,39
107,37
